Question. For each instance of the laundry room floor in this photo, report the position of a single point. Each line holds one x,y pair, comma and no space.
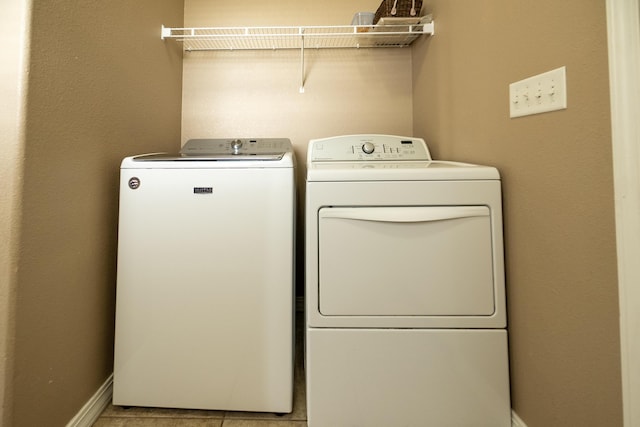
117,416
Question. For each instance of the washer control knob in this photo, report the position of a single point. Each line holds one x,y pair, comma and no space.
236,144
368,147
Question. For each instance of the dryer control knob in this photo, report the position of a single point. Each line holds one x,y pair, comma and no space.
368,147
235,146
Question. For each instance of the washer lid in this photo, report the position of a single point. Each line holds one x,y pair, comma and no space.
167,157
213,150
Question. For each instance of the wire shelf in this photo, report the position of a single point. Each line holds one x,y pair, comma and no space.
389,32
309,37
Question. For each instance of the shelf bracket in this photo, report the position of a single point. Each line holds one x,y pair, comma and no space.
429,28
166,32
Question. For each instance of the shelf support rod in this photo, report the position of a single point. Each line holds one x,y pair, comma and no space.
301,60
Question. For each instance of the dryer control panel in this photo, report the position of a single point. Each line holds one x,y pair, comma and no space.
368,147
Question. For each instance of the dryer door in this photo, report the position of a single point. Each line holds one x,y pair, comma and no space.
406,261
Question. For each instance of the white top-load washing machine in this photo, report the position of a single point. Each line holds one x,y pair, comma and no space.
405,293
204,310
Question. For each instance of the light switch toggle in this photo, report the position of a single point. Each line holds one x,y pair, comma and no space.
539,93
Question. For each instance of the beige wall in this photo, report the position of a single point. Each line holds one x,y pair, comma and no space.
101,85
14,28
558,190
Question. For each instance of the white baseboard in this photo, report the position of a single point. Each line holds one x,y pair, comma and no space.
94,407
516,421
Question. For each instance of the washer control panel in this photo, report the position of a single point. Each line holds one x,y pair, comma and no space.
368,147
236,147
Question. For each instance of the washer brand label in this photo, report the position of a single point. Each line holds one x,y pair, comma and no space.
202,190
134,183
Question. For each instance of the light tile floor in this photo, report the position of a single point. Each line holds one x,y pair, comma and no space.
117,416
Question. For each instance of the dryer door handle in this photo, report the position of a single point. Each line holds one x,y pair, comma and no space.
406,213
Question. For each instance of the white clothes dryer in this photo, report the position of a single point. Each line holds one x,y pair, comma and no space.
405,293
205,283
